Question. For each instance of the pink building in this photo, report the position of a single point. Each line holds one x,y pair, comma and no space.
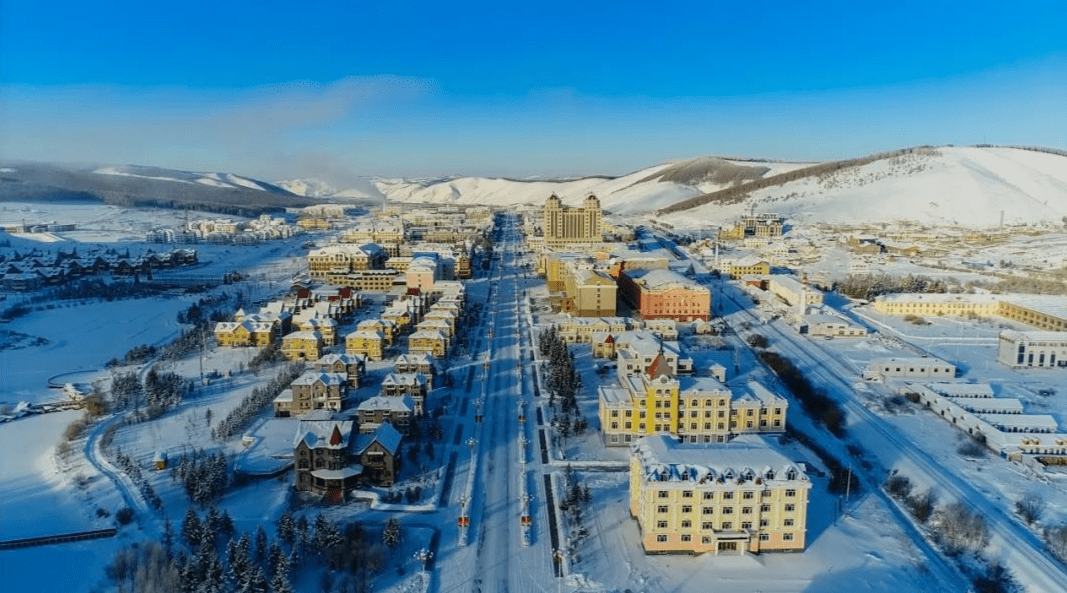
664,294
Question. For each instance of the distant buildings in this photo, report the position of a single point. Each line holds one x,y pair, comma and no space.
1048,313
732,498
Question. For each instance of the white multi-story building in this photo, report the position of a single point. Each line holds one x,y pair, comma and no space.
1039,349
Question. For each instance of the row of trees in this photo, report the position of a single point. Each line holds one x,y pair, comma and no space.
133,470
252,405
815,402
869,286
562,382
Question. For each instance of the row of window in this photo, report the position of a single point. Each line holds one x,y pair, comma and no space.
707,539
725,525
729,495
688,509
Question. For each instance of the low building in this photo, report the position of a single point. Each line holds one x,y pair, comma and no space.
369,344
302,346
793,291
413,385
314,390
352,366
415,363
834,327
733,498
1032,349
397,411
245,333
325,460
379,455
880,369
430,342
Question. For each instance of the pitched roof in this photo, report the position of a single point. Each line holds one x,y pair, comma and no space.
387,436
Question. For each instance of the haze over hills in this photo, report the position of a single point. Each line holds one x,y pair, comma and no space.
949,185
968,186
138,186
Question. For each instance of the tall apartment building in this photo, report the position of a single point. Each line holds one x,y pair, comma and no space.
563,225
732,498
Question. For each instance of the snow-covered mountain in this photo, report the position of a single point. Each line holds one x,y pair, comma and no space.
644,190
965,186
308,187
219,180
949,185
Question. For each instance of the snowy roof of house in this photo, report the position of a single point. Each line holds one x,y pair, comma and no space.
303,336
663,459
286,396
989,404
428,334
312,377
338,474
404,379
828,319
1021,421
659,279
366,335
391,403
1034,336
386,435
689,385
938,297
757,392
324,434
614,395
345,358
419,358
961,389
912,360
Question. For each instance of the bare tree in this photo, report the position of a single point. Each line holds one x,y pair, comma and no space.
961,528
1030,507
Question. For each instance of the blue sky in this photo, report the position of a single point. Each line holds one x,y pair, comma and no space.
336,90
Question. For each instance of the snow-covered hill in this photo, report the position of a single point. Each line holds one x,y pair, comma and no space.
220,180
307,187
965,186
641,191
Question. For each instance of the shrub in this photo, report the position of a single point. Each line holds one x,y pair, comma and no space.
922,506
898,487
124,515
1030,507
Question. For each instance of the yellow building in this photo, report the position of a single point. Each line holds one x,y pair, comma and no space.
245,333
430,342
921,304
302,346
563,225
386,327
580,330
367,343
694,409
325,326
747,266
732,498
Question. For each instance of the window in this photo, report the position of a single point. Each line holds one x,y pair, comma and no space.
661,524
709,496
789,508
687,538
748,495
687,524
706,539
727,525
707,511
687,494
728,495
661,539
790,493
788,523
765,508
663,494
763,537
727,510
746,525
746,510
614,413
787,537
662,509
687,508
764,523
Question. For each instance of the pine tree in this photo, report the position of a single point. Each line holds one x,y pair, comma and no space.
261,544
191,528
286,527
168,537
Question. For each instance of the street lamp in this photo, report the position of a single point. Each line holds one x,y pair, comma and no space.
424,556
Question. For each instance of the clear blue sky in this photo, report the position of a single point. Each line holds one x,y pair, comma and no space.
334,90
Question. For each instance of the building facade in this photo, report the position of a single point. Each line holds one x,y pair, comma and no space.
1032,349
563,226
734,498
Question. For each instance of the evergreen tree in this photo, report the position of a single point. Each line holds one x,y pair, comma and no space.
261,544
191,528
286,527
